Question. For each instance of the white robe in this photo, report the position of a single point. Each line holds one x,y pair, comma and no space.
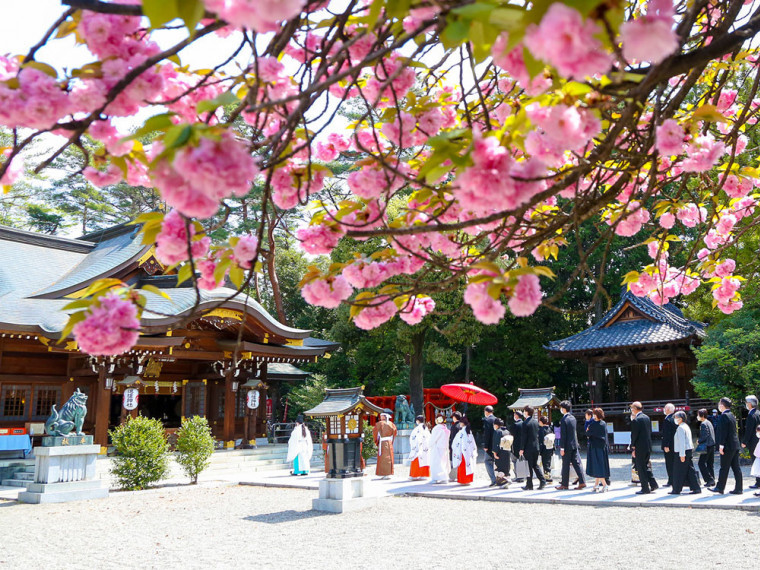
419,443
439,453
464,449
300,446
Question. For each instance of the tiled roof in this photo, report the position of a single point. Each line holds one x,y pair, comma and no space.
342,401
665,325
534,397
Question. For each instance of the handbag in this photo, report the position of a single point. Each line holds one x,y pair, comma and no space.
521,468
556,466
701,448
506,442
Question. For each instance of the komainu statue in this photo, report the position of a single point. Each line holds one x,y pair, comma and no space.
403,412
71,417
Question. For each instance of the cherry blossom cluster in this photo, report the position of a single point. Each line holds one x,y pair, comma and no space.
111,326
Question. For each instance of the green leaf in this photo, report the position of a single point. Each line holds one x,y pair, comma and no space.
78,304
156,291
455,33
397,8
476,11
185,272
191,12
226,98
159,12
177,136
237,276
533,66
506,18
73,320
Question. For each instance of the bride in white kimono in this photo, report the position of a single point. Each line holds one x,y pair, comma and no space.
464,453
439,452
419,442
300,448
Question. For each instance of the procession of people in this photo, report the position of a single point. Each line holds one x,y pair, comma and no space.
526,449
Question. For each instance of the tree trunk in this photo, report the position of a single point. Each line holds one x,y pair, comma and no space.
415,373
271,269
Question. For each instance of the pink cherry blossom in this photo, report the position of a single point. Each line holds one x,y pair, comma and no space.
207,281
526,296
703,153
37,103
15,168
370,182
111,175
329,150
257,15
171,242
567,41
725,268
375,315
111,327
319,238
416,309
725,224
737,187
245,250
730,306
667,220
486,309
201,176
690,215
670,136
363,274
486,185
648,39
725,292
327,292
631,220
513,62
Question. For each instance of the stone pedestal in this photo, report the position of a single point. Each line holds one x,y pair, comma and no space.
63,474
401,446
341,496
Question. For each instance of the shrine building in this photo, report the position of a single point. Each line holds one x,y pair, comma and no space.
637,351
188,360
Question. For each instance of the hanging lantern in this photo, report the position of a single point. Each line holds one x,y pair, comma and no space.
155,385
174,388
660,365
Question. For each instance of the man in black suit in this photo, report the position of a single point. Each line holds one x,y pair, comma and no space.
727,441
668,440
749,440
641,444
488,443
530,449
516,430
568,447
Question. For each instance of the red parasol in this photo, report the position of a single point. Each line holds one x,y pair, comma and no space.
469,393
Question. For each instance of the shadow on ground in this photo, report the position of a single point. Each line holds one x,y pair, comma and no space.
285,516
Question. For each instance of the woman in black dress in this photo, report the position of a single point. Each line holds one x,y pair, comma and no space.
598,460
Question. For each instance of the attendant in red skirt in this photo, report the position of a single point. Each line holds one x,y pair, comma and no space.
419,455
464,453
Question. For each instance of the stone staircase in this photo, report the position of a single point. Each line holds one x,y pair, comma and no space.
19,475
264,458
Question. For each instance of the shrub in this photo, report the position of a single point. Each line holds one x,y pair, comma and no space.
369,448
195,444
142,453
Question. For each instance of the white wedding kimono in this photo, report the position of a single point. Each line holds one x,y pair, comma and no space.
439,453
300,449
419,443
464,449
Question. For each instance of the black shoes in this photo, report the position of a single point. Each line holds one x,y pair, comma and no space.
698,492
643,492
737,492
716,490
541,486
755,486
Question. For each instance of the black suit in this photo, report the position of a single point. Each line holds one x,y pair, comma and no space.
488,446
750,436
530,448
668,440
546,454
641,443
707,458
516,430
728,442
568,442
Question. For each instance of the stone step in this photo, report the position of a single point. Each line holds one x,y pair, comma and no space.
15,483
25,475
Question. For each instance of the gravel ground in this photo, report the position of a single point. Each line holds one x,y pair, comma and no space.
221,526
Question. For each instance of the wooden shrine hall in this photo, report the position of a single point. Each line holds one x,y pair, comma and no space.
187,361
637,351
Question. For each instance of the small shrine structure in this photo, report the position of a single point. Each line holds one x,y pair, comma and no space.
637,351
541,399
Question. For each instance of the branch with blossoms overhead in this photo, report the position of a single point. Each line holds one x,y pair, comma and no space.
471,139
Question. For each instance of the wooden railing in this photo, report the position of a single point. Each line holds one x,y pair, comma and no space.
650,406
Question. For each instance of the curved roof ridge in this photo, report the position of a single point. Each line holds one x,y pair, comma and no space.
44,240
